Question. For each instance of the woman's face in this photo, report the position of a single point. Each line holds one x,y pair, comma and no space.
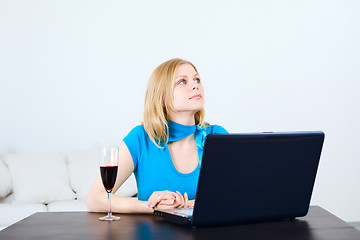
188,90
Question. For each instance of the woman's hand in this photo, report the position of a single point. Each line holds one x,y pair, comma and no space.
191,203
167,200
184,201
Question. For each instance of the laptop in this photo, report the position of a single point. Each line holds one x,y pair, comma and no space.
253,177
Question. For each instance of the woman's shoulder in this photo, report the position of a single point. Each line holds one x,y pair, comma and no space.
137,132
134,140
215,129
139,128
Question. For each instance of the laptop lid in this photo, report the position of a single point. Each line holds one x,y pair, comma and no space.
255,177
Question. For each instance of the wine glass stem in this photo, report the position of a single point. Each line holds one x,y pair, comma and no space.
109,197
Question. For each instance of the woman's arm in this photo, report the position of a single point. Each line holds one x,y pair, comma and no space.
97,200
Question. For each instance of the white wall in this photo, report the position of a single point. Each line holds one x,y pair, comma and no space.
73,73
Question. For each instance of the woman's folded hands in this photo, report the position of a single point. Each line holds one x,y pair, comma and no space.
166,200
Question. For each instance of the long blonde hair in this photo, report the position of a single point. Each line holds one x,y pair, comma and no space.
159,101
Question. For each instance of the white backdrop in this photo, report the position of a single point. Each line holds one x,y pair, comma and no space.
73,73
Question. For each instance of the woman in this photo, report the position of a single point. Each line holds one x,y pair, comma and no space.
165,151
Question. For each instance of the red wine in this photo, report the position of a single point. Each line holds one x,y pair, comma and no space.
108,175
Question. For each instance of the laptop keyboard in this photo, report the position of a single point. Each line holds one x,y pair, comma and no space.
185,211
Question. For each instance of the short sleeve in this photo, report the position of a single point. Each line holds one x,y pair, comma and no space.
134,141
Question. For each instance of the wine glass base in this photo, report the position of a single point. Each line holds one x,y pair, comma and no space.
109,218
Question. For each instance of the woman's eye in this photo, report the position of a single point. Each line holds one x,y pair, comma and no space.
182,82
197,80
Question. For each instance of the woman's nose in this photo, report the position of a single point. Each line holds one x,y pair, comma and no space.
195,86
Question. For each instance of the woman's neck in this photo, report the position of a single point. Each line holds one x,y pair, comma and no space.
184,119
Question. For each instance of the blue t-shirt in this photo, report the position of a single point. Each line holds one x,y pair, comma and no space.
154,168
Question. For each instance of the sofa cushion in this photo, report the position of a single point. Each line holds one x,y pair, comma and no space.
8,199
5,179
84,170
39,178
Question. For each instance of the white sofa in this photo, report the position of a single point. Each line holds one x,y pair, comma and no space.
54,182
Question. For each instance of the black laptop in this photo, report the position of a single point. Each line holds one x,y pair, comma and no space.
253,177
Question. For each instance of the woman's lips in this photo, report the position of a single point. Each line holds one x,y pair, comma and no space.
198,96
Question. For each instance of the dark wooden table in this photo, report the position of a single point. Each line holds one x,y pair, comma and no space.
318,224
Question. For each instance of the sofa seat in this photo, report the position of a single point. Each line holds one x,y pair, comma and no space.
67,206
11,213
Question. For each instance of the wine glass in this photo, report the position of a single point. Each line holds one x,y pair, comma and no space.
109,160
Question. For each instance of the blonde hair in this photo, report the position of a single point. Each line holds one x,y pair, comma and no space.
159,101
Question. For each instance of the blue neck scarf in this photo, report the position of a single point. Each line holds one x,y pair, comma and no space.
178,131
